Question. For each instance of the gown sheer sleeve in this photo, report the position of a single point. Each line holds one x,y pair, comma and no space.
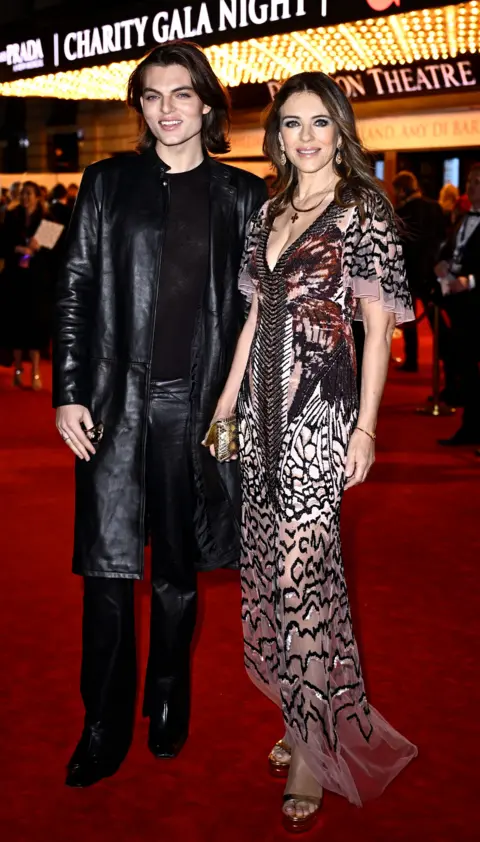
373,265
247,279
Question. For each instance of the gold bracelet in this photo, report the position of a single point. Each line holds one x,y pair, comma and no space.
371,436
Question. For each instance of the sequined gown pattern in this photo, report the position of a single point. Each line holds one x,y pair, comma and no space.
297,409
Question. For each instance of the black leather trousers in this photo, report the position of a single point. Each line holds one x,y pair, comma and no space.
108,679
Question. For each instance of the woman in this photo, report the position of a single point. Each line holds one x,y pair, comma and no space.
448,199
324,244
27,278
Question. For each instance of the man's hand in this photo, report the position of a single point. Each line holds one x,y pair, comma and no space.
68,422
360,458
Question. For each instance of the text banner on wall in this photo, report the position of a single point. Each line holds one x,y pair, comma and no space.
437,130
83,41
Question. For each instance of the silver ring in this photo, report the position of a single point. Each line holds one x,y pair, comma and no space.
66,438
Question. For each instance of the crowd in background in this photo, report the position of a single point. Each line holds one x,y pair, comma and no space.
441,243
441,246
28,272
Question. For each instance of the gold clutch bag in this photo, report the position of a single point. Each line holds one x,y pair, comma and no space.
223,434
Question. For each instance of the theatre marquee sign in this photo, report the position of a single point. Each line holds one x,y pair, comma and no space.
103,40
419,78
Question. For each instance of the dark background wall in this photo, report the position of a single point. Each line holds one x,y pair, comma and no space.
16,10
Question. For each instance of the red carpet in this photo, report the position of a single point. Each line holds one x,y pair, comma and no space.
412,551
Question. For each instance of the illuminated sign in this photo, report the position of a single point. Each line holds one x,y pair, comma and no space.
64,46
26,55
417,78
177,23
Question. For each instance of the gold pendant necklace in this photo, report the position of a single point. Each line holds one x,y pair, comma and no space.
295,216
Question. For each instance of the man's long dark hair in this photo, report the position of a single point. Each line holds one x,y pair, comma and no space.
216,123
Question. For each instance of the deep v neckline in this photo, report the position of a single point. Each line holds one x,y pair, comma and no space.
285,252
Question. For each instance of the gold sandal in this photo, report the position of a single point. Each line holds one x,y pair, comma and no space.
279,769
296,824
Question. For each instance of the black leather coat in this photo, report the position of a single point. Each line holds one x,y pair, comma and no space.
105,317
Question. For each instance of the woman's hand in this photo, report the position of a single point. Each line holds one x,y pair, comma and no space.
23,250
224,409
33,244
360,458
228,399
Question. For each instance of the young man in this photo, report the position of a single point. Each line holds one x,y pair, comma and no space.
148,315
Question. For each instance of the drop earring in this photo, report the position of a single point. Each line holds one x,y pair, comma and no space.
338,157
283,157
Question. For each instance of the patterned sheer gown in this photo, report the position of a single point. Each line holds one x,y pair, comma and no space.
297,409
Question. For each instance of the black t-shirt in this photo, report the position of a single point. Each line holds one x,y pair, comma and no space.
183,272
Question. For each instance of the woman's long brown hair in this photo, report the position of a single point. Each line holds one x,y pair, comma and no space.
357,184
